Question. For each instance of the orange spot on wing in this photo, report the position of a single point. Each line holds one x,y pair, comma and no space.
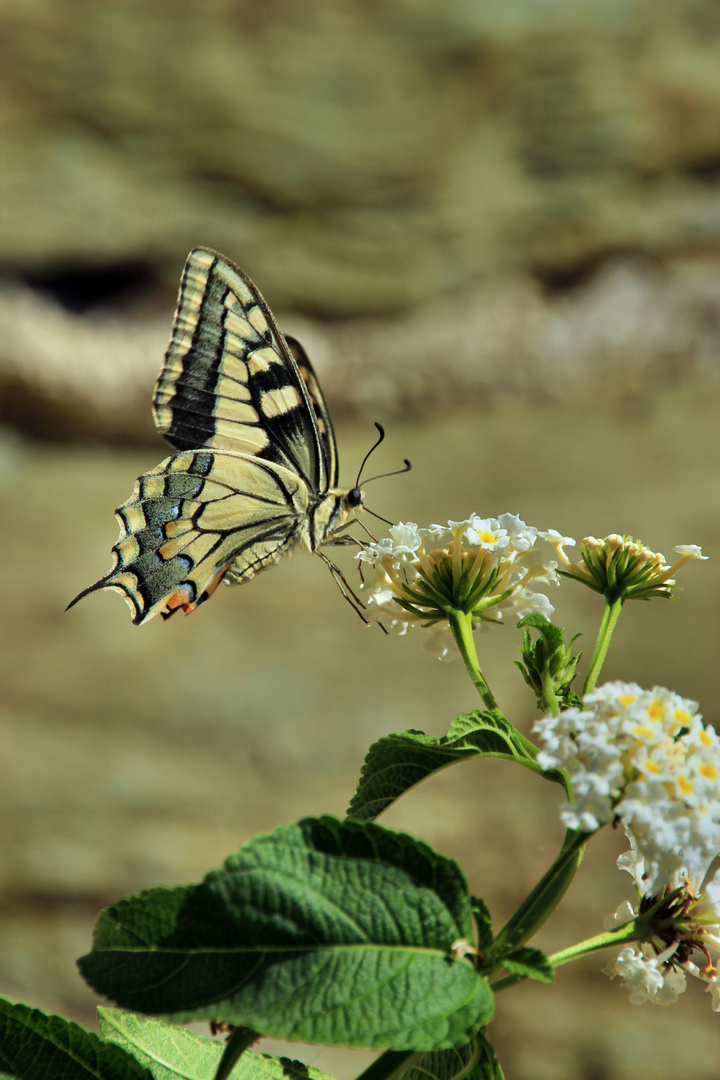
180,599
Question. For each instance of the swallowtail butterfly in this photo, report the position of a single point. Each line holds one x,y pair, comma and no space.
255,474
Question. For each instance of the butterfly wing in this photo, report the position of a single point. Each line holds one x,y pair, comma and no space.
323,423
195,517
230,382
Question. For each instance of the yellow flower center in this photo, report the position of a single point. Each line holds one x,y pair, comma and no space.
656,711
685,785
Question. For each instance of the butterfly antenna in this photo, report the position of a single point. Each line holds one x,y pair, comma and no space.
396,472
381,436
381,476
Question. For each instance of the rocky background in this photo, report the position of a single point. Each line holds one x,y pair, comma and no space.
476,195
495,226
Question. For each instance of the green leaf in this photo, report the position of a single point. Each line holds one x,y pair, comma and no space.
324,932
530,963
174,1053
397,763
474,1061
36,1046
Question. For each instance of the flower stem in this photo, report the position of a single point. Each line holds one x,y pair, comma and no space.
620,936
611,614
549,701
391,1065
461,626
635,930
545,897
238,1042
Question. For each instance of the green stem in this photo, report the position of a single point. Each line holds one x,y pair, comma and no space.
623,934
545,897
238,1042
550,704
391,1065
474,1059
611,614
461,626
635,930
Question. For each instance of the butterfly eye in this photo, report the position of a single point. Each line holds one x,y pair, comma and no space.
355,497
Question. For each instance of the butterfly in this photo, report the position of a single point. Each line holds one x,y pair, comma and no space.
256,470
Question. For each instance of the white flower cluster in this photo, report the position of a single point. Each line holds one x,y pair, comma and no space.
647,975
645,757
487,566
659,975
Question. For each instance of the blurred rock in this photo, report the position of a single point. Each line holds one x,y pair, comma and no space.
631,323
358,157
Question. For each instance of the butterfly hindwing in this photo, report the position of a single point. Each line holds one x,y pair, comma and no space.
230,382
195,518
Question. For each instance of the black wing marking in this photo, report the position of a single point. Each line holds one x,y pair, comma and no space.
230,382
323,422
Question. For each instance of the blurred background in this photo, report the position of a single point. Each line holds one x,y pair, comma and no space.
496,229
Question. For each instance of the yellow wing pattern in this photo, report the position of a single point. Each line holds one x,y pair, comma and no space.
230,381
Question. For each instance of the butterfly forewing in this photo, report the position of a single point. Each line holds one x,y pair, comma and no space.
323,422
229,381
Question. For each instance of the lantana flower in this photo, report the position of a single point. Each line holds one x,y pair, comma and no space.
485,567
648,976
620,567
685,929
643,757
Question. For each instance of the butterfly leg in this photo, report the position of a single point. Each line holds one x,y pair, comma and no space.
343,585
351,539
365,528
338,541
341,581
